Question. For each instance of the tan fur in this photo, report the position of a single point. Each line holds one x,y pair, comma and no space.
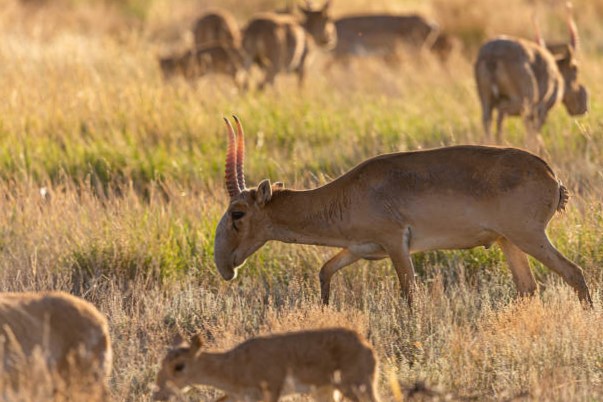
396,204
383,35
216,58
521,78
280,43
266,368
70,332
217,26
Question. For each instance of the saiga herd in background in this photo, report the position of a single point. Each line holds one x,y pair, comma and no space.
515,77
388,206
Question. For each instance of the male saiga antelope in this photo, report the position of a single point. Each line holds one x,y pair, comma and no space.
396,204
70,333
279,43
265,368
518,77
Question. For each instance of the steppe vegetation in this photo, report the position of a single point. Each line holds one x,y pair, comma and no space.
112,185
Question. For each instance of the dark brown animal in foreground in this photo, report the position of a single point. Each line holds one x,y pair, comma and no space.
279,43
386,35
212,59
218,26
397,204
266,368
521,78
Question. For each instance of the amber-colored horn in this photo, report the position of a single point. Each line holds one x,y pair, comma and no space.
571,27
240,154
537,33
232,184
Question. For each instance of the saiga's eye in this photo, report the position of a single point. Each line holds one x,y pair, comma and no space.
237,215
179,367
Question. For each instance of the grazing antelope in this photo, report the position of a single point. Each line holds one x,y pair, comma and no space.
560,49
71,334
522,78
382,35
279,43
217,26
396,204
265,368
211,59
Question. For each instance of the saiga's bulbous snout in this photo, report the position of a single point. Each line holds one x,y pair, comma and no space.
224,252
577,102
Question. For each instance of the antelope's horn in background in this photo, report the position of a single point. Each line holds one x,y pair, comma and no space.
537,33
571,27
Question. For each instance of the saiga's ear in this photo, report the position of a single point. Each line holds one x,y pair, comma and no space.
279,185
304,9
264,193
559,57
325,8
177,340
196,343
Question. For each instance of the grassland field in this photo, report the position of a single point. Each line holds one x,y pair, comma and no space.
111,185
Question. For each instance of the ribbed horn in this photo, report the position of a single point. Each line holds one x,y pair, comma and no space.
232,184
240,154
537,33
571,26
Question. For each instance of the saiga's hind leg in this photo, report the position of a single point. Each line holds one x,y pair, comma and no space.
324,394
399,253
268,78
520,267
540,247
362,393
499,121
301,69
487,122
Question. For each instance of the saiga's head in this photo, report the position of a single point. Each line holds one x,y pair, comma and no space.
319,24
176,372
245,226
177,65
575,96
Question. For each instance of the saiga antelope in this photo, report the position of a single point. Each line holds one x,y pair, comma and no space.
396,204
382,35
71,334
279,43
264,368
518,77
218,58
217,26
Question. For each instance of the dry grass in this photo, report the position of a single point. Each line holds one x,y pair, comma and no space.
132,169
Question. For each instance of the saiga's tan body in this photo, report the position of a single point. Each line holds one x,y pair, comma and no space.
384,35
279,43
72,335
217,26
396,204
266,368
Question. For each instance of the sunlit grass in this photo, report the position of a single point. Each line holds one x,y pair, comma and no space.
132,169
